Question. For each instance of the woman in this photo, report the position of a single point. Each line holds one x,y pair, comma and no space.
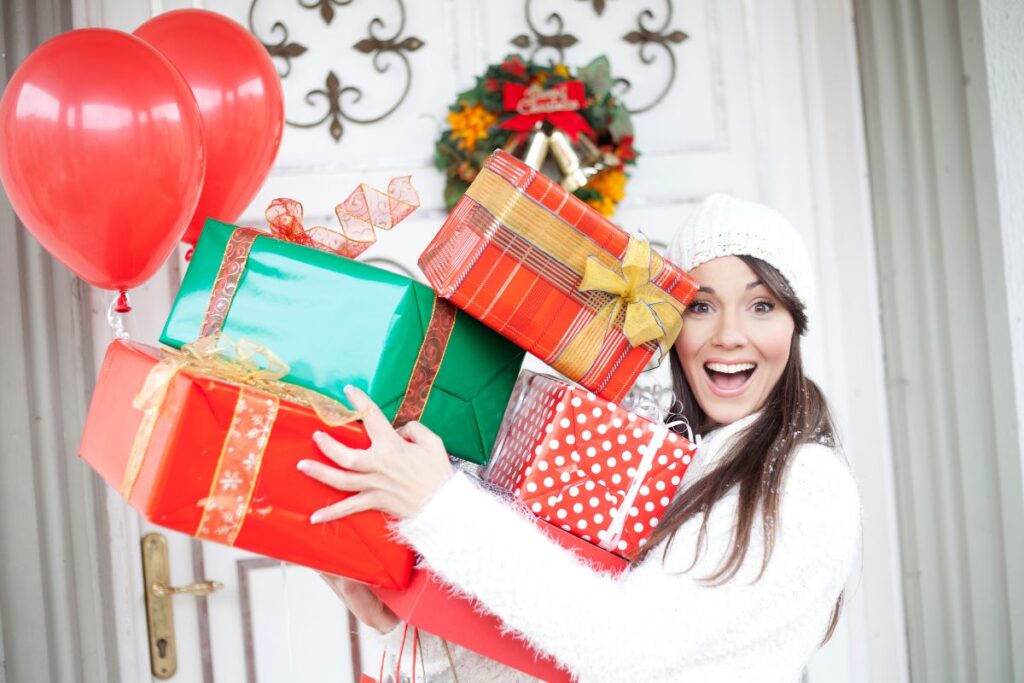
742,580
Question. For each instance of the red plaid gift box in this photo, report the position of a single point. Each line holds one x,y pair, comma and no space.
595,469
546,270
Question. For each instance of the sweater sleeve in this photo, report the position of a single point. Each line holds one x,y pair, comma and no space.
594,623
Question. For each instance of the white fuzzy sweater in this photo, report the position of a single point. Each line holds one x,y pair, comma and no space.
657,621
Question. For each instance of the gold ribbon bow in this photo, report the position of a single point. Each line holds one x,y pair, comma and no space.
649,315
243,363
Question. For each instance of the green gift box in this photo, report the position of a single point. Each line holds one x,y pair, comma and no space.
337,322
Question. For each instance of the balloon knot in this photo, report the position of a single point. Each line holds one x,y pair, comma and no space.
122,305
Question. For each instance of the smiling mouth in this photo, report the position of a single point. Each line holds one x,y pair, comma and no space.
729,379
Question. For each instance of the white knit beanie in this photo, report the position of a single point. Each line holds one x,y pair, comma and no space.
726,226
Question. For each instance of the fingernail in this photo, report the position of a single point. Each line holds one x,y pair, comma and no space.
317,436
303,466
316,518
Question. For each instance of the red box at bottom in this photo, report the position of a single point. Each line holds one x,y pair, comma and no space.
428,604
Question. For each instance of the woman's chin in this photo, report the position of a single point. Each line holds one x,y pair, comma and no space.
725,411
724,416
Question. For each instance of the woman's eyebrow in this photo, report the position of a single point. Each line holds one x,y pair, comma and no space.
753,284
705,289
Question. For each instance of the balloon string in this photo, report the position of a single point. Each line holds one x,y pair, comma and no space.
115,320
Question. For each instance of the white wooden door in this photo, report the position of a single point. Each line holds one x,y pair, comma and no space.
760,99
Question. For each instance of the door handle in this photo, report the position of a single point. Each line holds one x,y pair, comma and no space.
197,588
156,570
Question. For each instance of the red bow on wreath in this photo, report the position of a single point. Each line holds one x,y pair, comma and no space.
558,105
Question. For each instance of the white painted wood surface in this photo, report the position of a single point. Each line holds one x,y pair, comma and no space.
765,105
1003,26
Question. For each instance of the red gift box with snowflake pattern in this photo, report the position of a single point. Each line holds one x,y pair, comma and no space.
589,466
218,461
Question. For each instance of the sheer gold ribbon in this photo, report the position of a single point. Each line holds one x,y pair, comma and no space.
241,363
649,317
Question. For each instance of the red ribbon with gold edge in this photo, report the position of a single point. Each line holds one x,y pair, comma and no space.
558,105
360,215
428,362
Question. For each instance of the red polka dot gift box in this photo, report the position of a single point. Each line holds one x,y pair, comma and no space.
589,466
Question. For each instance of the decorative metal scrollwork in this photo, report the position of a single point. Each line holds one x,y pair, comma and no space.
649,40
598,5
335,96
558,39
645,37
282,49
326,7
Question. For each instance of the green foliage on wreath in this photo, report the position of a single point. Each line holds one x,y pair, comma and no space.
476,116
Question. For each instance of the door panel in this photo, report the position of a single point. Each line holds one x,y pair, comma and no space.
730,95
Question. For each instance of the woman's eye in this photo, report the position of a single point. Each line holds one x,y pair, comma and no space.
763,306
700,307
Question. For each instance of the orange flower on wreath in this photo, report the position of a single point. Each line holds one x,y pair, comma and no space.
604,205
611,185
470,124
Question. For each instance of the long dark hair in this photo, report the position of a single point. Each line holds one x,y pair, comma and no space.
794,413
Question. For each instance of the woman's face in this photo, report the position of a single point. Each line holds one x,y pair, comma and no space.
735,340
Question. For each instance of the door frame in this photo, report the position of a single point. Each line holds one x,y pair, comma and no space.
947,336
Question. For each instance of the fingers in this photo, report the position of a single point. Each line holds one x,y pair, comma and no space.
377,425
368,500
337,583
346,589
361,601
421,435
343,456
342,480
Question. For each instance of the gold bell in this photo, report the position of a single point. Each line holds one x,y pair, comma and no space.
568,160
594,157
580,162
535,151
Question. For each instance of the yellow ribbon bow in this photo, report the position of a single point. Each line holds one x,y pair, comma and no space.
243,363
649,315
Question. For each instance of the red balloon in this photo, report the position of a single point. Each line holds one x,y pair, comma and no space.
101,154
240,99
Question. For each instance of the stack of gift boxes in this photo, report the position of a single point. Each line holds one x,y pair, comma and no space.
203,436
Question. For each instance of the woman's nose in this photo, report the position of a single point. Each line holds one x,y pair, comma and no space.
729,334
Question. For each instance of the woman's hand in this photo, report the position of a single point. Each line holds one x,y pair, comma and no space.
361,602
393,475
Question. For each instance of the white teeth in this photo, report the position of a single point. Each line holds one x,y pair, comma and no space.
730,368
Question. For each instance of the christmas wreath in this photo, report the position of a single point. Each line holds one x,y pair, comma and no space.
568,125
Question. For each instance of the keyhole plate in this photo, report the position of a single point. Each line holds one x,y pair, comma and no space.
163,654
